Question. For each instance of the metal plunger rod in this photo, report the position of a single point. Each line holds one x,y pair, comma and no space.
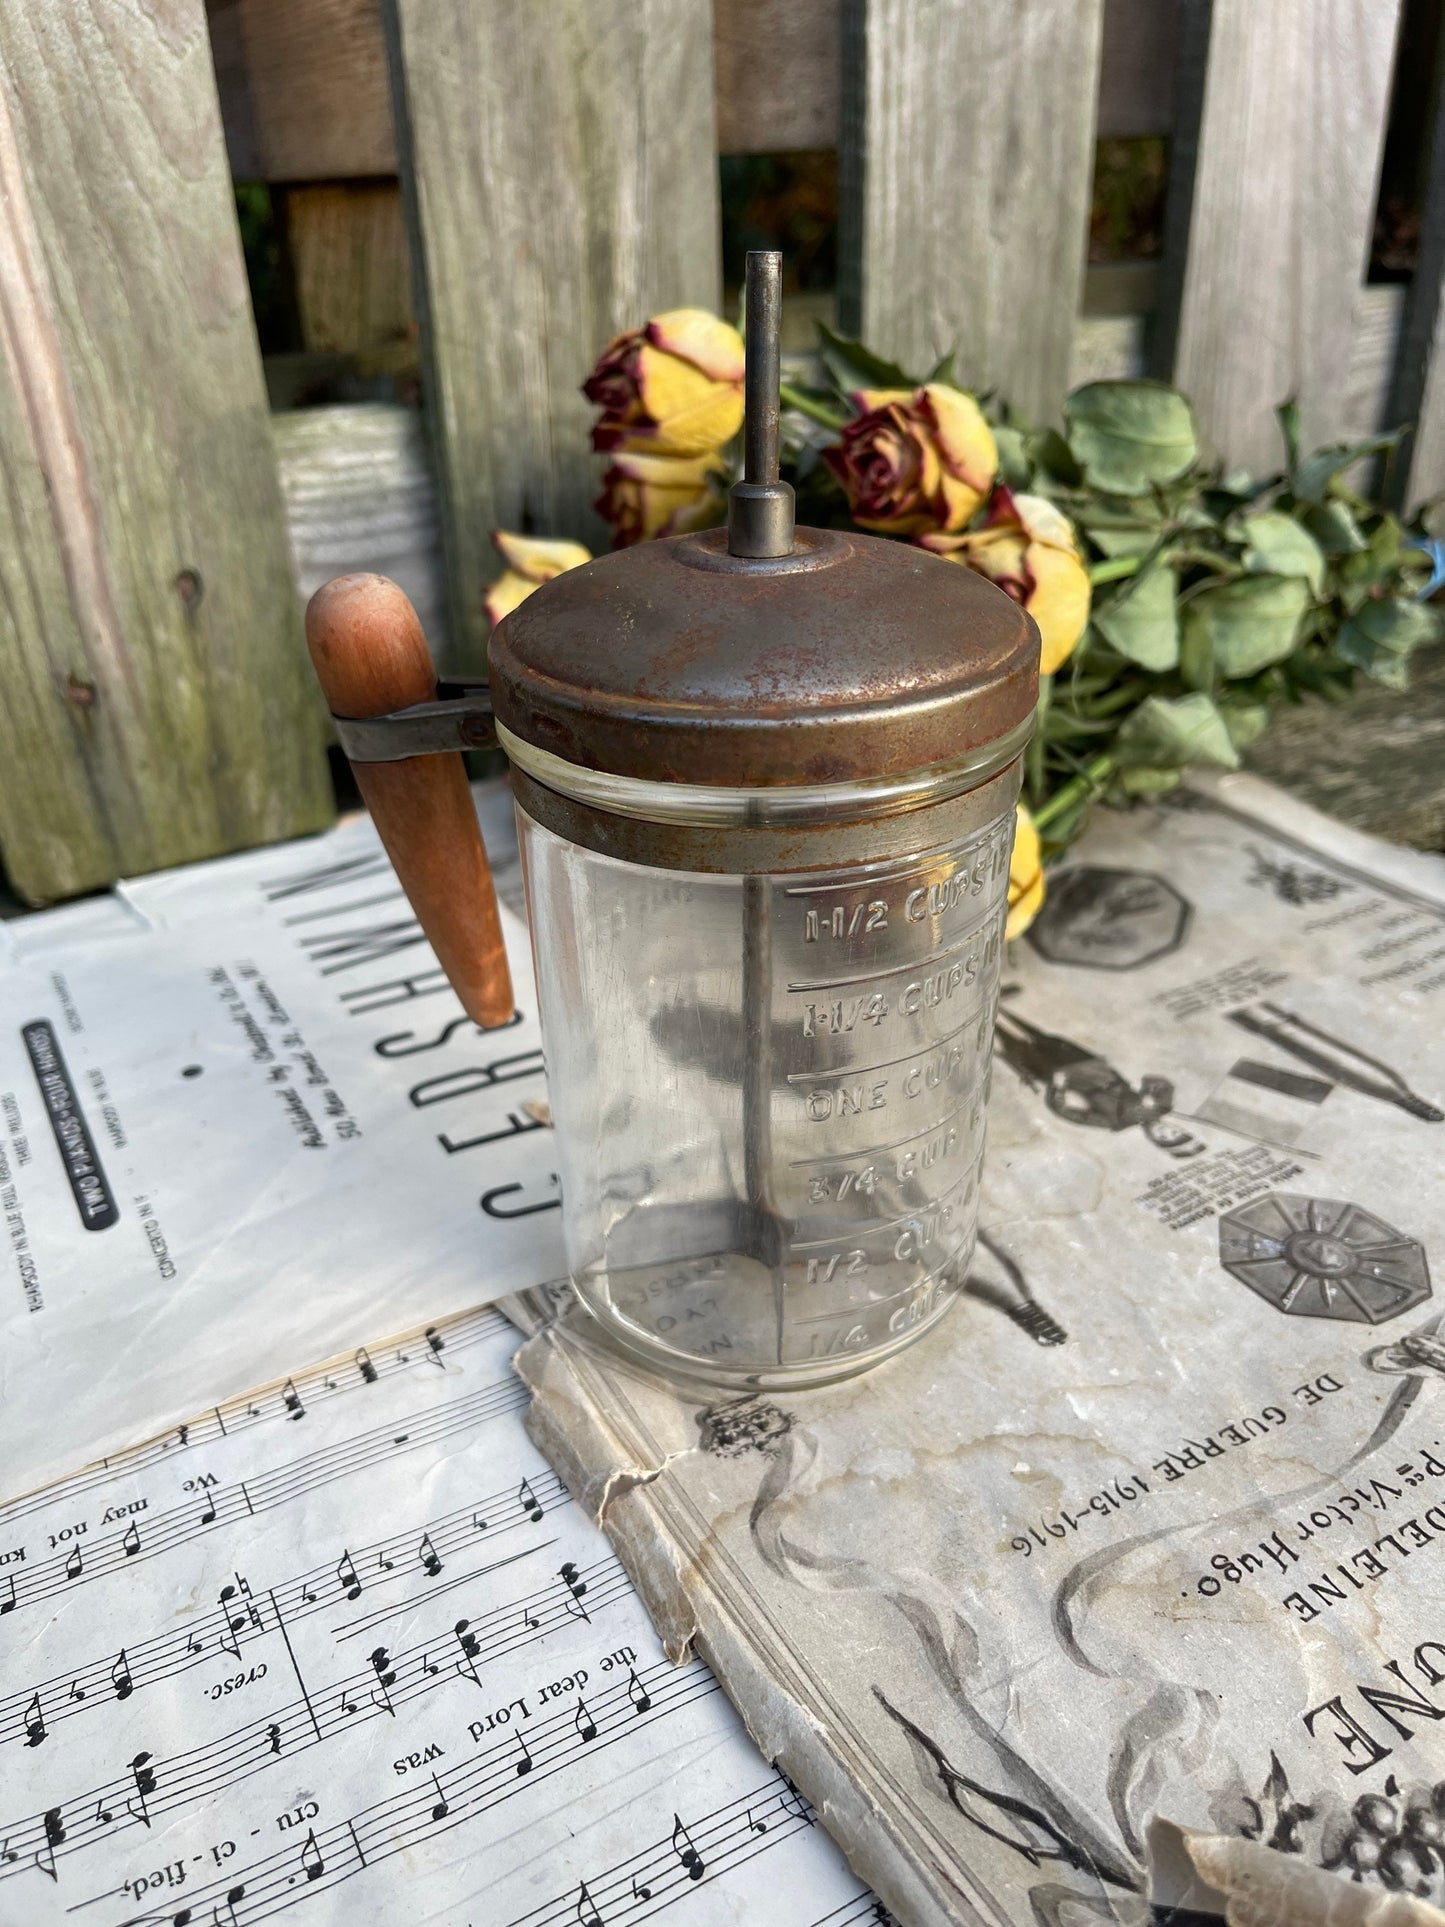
763,312
760,507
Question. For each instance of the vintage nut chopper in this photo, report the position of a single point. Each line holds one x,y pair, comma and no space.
764,782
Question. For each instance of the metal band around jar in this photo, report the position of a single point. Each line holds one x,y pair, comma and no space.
778,806
756,849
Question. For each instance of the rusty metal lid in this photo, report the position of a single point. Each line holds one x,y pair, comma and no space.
852,657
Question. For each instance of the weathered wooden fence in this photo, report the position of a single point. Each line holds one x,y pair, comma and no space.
526,181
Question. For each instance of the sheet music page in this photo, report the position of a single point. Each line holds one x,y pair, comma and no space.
243,1120
345,1651
1130,1578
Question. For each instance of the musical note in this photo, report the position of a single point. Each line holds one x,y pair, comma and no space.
8,1853
637,1693
346,1576
383,1563
273,1734
576,1587
7,1601
193,1645
479,1524
145,1782
530,1503
208,1517
524,1765
583,1720
436,1344
441,1809
103,1814
74,1565
431,1564
312,1865
54,1837
385,1678
365,1366
687,1853
470,1650
240,1594
640,1893
120,1677
791,1801
291,1399
346,1705
130,1542
756,1826
587,1913
35,1727
235,1894
531,1625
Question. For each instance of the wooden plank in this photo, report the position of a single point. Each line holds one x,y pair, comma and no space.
1136,68
157,700
304,89
562,187
964,191
353,272
359,493
1417,391
1272,202
776,64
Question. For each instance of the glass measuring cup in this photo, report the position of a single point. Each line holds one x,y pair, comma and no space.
771,1126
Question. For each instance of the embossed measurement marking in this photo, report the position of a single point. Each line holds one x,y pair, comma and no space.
867,1070
873,1150
899,970
860,1227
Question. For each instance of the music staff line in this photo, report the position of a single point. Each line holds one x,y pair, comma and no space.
161,1786
350,1371
222,1506
462,1793
242,1615
692,1852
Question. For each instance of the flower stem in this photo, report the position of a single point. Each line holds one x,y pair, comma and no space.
1114,569
1078,789
816,411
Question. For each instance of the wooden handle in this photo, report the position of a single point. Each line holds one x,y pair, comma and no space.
370,656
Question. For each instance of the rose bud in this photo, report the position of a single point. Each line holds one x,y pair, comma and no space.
1027,547
1025,875
530,563
674,387
644,496
915,460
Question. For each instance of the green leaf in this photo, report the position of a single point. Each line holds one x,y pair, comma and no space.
1249,623
1052,453
1141,621
942,369
1129,436
1246,722
1335,529
1134,539
1275,544
1176,732
853,366
1014,466
1311,480
1383,631
1148,782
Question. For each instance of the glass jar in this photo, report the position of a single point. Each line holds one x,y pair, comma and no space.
768,1089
